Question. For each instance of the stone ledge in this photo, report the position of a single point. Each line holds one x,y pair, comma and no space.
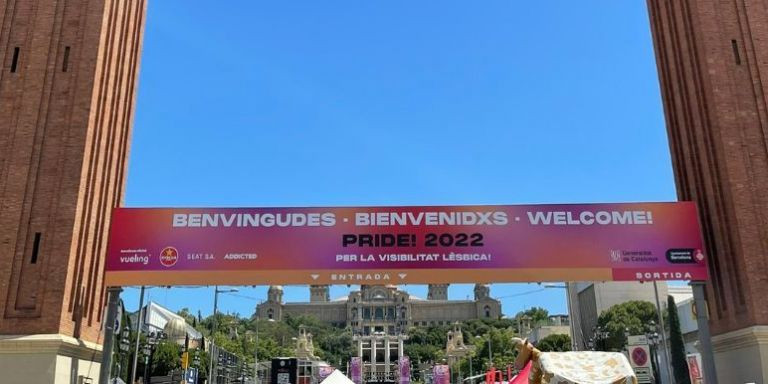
55,344
742,338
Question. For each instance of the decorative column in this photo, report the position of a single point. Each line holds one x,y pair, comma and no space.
386,355
374,343
360,347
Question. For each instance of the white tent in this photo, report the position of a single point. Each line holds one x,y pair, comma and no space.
336,377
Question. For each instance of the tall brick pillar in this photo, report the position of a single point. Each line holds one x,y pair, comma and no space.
68,73
712,57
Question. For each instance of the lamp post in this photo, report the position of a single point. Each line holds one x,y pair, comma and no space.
256,350
153,338
490,352
653,341
125,345
599,335
567,288
471,380
139,321
216,292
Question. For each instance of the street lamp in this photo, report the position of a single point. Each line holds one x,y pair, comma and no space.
125,344
490,353
599,335
256,350
471,380
653,341
567,288
153,338
216,292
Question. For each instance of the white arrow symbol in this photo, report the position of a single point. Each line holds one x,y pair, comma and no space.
314,277
402,275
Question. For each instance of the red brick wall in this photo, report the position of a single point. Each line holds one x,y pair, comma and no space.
65,118
713,68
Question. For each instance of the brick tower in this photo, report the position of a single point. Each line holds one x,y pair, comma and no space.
67,87
713,67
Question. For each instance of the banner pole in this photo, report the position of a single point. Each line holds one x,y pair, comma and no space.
705,339
668,364
113,296
139,323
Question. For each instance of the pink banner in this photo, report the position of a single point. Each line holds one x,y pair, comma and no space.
404,368
356,369
177,246
324,371
441,374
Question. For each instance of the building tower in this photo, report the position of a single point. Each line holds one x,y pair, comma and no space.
275,294
68,74
319,294
437,292
482,291
712,58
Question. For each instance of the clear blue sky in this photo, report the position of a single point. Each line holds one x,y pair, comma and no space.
308,103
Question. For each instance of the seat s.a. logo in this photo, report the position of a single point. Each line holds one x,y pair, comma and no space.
169,256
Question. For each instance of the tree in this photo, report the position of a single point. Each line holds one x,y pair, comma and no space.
166,358
677,347
555,343
631,315
535,314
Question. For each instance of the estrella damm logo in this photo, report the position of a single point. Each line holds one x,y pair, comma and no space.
169,256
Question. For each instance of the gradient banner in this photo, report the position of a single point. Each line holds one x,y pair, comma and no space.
398,245
441,374
404,370
356,369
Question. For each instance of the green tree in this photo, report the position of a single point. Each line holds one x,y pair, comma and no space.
555,343
536,314
166,358
631,315
188,317
677,347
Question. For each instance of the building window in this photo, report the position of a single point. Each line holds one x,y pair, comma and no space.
487,311
15,59
270,314
65,62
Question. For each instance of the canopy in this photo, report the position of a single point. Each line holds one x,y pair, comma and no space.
336,377
586,368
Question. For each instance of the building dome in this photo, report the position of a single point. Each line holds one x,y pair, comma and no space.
176,329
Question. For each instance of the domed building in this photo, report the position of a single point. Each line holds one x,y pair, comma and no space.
158,318
176,330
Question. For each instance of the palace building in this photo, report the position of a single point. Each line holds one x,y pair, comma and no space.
380,315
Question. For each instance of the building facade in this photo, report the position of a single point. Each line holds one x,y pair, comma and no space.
589,300
712,58
383,308
68,74
380,315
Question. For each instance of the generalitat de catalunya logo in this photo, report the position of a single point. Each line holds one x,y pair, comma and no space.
169,256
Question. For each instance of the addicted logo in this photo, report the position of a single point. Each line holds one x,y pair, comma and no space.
169,256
